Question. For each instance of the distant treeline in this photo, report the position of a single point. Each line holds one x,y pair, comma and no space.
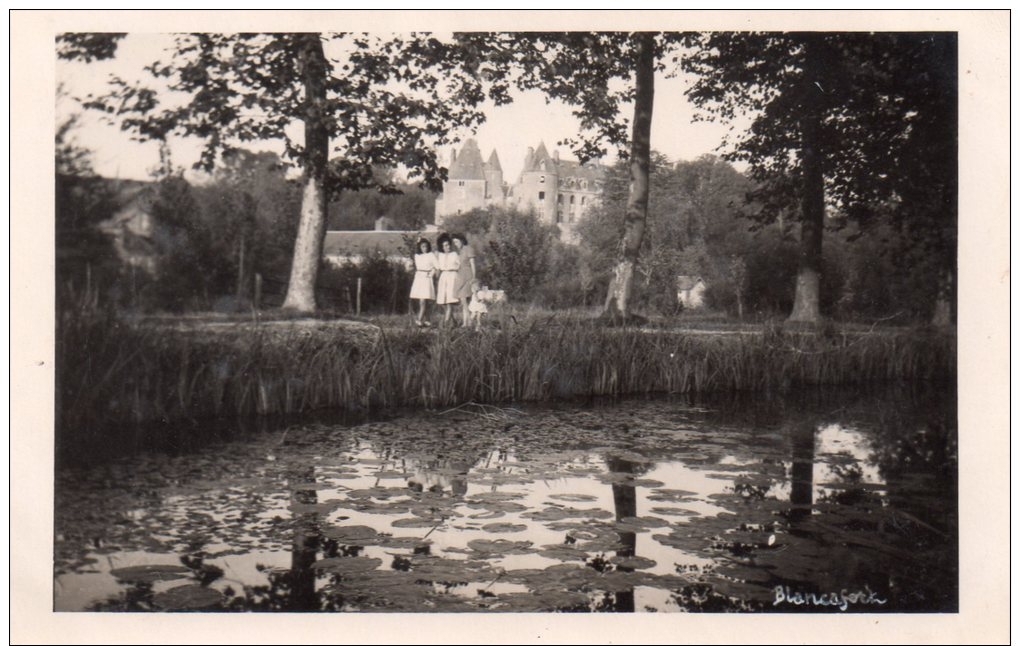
227,242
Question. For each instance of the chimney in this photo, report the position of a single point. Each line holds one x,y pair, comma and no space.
556,155
453,156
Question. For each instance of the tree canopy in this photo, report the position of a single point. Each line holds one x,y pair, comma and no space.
363,101
864,121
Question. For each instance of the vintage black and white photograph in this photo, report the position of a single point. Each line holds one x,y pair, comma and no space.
506,320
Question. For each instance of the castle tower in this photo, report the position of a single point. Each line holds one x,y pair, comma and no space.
494,179
465,187
538,186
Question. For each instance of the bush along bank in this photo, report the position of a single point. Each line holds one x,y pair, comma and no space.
111,374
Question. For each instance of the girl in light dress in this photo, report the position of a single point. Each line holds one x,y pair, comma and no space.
423,289
448,264
477,308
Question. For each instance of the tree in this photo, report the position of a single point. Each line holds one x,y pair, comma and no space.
837,124
695,226
580,69
84,255
384,102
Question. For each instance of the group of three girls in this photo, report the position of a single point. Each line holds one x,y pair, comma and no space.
455,264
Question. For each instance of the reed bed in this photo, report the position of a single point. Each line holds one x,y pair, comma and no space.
113,374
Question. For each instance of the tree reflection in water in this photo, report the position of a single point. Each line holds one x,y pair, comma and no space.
798,492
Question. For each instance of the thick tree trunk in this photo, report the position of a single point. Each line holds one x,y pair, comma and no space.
312,226
622,285
809,274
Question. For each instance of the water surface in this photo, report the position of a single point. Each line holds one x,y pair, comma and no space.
811,502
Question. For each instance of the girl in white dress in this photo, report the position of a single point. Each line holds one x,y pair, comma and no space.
446,291
423,289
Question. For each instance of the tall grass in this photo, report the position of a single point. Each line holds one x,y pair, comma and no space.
111,374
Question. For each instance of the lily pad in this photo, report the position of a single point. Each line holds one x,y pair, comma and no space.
150,573
449,571
487,515
495,496
561,513
417,523
505,507
500,546
673,511
188,597
672,495
573,497
563,553
632,562
503,528
348,564
642,524
352,534
402,542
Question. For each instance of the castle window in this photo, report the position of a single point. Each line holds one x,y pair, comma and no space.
541,179
559,216
571,200
582,200
460,183
584,183
541,196
559,198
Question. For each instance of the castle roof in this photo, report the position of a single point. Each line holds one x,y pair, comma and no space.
568,168
540,152
468,164
564,168
493,163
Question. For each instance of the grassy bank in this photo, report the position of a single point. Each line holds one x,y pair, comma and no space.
111,373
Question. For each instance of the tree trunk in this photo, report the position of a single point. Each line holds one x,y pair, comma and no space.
620,289
312,227
806,300
943,316
240,270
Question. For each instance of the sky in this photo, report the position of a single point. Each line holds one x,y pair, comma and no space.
510,129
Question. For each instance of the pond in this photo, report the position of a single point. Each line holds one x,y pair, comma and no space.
807,502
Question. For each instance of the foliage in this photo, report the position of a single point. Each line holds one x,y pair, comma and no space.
387,102
593,72
385,285
407,208
884,133
112,373
391,101
695,225
519,249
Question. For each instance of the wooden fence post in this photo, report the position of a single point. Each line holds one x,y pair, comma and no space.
358,306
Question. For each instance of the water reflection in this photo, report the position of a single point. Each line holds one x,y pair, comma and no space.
812,496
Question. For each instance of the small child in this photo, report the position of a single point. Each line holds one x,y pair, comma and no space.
477,307
482,298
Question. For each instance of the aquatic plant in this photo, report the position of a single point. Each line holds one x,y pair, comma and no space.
111,373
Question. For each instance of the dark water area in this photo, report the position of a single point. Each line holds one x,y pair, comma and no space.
813,501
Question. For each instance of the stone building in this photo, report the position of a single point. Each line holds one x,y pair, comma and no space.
559,191
471,183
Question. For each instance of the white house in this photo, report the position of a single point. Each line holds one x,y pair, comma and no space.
690,291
